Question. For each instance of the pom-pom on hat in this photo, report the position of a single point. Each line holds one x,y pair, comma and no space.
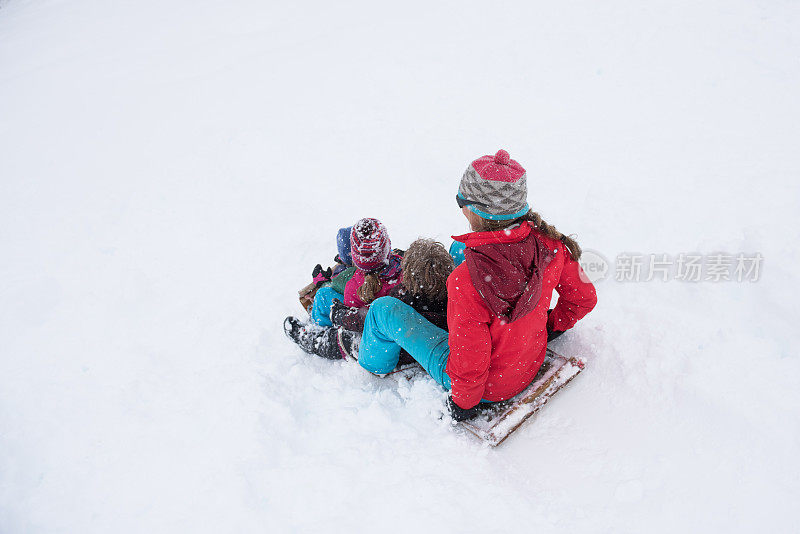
494,187
369,244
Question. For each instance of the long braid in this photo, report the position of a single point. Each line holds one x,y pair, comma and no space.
370,288
551,232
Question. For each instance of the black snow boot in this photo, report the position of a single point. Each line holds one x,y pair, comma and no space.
347,342
319,340
299,332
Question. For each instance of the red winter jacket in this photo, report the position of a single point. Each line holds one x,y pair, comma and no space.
497,310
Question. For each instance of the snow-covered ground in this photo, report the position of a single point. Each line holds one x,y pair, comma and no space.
171,171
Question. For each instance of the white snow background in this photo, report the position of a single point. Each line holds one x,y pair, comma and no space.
170,172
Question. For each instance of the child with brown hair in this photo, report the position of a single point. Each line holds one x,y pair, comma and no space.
425,267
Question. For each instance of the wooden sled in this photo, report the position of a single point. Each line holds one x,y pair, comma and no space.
306,296
499,420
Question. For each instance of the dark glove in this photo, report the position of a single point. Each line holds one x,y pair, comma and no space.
321,276
458,413
552,334
338,311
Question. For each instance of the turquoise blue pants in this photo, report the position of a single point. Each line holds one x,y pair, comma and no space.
323,300
392,325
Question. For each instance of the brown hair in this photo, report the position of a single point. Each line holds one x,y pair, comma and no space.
426,266
486,225
370,287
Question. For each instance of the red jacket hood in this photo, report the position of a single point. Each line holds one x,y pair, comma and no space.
506,268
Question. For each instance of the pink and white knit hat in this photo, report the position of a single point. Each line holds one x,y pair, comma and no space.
370,244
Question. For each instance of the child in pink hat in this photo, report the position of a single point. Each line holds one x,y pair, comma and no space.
377,266
377,272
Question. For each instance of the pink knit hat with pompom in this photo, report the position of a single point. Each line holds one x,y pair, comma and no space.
370,244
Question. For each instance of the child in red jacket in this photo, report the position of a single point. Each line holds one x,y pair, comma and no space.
498,298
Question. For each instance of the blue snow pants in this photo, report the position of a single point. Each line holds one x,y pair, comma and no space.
323,301
392,325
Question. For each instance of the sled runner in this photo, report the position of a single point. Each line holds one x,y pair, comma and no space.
499,420
409,371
